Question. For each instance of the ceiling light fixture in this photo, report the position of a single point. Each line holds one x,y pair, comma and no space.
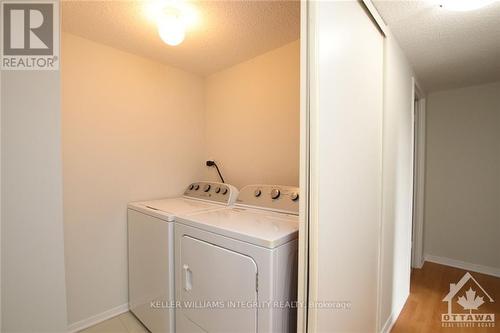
171,29
464,5
173,18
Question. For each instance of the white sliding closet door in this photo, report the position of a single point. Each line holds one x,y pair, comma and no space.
346,68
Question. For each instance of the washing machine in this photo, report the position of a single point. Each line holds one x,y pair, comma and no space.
151,249
236,268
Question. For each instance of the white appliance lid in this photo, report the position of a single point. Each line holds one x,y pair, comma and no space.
170,208
259,227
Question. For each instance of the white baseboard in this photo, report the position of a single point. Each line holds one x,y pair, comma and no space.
393,318
493,271
418,265
83,324
388,324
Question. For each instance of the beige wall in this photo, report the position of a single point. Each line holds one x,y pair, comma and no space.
252,119
462,191
133,129
397,183
33,288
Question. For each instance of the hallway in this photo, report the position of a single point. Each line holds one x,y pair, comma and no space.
429,285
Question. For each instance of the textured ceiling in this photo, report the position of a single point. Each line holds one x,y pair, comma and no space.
228,32
447,49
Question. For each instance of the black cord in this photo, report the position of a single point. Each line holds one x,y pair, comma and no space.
220,175
212,163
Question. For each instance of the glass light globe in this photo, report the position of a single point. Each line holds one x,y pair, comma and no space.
172,30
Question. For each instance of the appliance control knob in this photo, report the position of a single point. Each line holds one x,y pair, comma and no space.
196,187
294,196
257,193
224,191
217,189
206,188
275,193
191,187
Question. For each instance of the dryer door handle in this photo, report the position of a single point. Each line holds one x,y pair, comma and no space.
188,278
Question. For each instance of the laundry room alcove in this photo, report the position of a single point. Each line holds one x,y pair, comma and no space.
140,118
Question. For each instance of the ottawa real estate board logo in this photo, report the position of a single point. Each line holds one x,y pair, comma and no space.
30,35
464,301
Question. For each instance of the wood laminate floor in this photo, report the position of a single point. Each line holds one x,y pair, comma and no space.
429,285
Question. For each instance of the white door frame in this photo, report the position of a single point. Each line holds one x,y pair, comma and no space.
303,271
418,175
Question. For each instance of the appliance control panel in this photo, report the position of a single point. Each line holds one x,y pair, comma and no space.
212,191
278,198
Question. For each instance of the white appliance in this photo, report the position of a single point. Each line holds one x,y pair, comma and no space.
236,268
151,249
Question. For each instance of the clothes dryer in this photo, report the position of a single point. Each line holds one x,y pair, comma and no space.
236,268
